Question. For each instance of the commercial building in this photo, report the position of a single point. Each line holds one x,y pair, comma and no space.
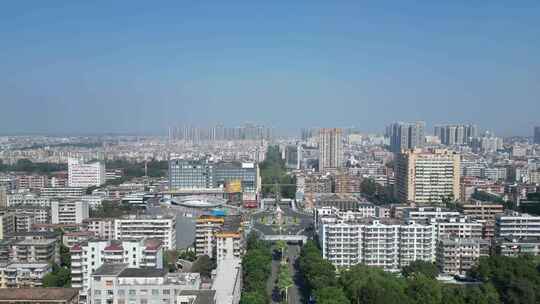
537,135
39,295
202,175
22,275
82,174
69,211
427,176
330,149
143,227
517,225
88,256
116,283
405,136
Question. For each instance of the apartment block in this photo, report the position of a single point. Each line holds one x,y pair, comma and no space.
517,225
23,275
386,243
205,229
116,283
427,176
330,149
7,223
84,175
102,228
34,247
512,247
26,216
69,211
88,256
62,192
143,227
455,256
28,199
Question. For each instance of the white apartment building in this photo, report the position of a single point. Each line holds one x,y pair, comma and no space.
62,192
457,227
142,227
102,228
517,225
427,176
82,174
69,211
119,284
427,213
88,256
229,246
30,199
386,243
26,216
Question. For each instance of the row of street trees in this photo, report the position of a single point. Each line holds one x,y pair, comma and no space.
501,280
256,267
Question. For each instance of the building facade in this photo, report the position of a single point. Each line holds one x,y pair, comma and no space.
143,227
330,149
82,174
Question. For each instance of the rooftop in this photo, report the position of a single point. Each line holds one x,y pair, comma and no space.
37,294
202,296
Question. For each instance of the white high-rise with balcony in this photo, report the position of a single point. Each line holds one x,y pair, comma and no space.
81,174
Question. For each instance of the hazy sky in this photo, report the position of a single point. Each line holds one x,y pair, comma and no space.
139,66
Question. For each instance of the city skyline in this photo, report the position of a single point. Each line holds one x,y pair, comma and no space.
107,67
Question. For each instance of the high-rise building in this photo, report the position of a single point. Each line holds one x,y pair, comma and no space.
330,149
427,176
461,134
406,135
537,135
82,174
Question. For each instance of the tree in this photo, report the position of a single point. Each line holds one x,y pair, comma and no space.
424,290
281,245
368,186
65,256
253,297
188,255
285,280
331,295
428,269
203,265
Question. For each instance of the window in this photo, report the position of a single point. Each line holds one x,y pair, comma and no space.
109,283
155,292
143,292
166,292
97,292
132,292
110,292
144,301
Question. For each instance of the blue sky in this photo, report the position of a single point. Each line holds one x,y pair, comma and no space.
139,66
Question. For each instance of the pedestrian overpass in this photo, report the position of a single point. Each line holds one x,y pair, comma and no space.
287,238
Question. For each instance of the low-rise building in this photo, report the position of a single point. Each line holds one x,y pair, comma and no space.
34,247
117,283
102,228
512,247
39,295
517,225
455,256
21,275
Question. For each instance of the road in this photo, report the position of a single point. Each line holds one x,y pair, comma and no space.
294,295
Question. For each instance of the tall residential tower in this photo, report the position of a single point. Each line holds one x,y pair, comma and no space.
330,149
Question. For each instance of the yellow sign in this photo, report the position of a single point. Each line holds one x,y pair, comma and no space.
234,186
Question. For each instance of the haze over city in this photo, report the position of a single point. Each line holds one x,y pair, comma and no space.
140,67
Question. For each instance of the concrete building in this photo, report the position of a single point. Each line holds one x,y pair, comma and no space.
405,136
427,176
26,216
455,256
7,223
85,175
513,247
88,256
34,247
517,225
39,295
347,183
386,243
428,213
461,134
537,135
457,227
23,275
30,199
118,284
142,227
102,228
205,229
62,192
69,211
330,149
